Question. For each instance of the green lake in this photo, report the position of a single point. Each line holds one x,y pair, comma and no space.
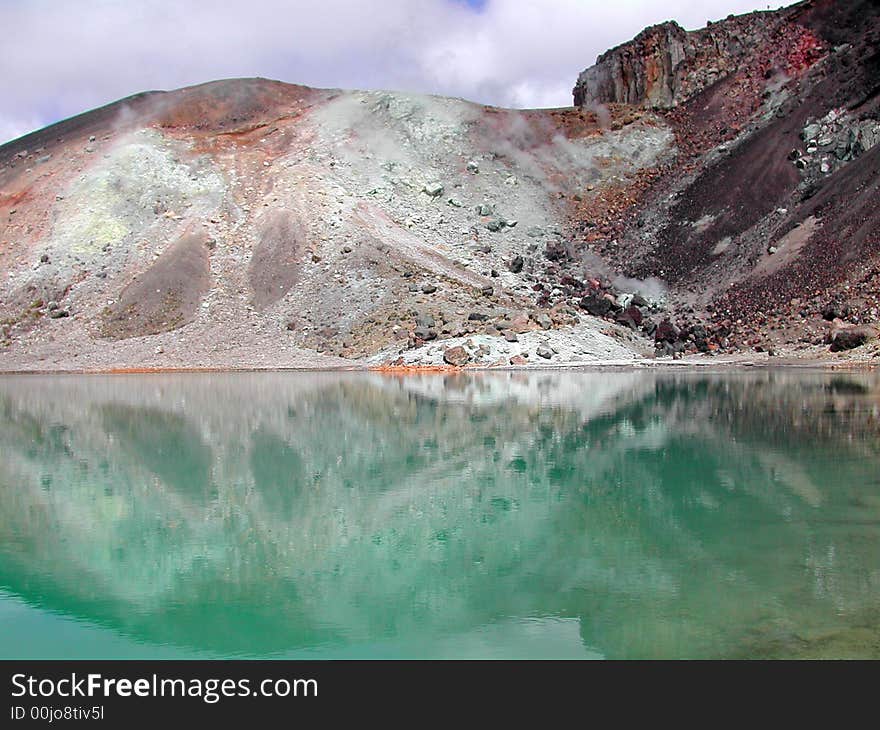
621,514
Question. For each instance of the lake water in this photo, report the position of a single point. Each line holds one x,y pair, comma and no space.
554,515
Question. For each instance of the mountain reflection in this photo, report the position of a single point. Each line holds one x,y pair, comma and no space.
666,514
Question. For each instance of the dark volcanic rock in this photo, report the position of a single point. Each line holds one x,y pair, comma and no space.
596,305
556,252
666,332
631,316
851,337
835,311
516,265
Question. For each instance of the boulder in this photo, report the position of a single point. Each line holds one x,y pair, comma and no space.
631,316
516,265
556,251
835,311
520,323
848,338
666,332
810,132
596,305
425,333
545,352
456,356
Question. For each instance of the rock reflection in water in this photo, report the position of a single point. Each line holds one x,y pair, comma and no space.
618,514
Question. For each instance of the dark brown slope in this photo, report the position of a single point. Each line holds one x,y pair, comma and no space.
96,121
229,105
740,196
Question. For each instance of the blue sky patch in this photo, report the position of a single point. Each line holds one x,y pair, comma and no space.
475,4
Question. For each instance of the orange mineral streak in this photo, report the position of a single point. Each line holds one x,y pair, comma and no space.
12,199
414,369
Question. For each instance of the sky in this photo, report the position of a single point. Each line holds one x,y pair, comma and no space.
62,57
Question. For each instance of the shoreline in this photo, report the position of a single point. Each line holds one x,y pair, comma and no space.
401,370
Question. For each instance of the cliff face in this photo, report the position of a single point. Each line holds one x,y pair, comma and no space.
642,71
666,65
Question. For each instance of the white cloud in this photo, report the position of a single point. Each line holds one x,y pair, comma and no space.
61,58
10,127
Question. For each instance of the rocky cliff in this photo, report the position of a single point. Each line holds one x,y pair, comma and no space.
666,65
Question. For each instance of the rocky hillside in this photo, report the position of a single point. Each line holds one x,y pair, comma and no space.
766,223
255,223
710,192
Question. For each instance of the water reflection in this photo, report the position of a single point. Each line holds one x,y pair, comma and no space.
624,514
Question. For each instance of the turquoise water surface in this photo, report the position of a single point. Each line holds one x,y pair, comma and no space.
636,514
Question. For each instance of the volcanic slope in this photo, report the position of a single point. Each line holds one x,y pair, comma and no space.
766,227
252,223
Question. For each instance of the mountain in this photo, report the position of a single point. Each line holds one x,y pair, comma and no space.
711,191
